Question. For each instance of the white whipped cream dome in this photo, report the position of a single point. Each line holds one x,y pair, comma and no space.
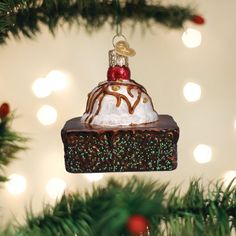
119,103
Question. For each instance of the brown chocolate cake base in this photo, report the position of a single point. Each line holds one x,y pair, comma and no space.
149,147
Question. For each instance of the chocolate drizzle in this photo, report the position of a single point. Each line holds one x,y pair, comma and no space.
102,90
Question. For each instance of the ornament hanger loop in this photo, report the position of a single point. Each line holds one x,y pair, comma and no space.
118,29
118,36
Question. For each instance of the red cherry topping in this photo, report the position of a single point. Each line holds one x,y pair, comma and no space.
118,72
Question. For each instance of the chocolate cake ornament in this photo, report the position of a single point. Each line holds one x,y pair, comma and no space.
120,129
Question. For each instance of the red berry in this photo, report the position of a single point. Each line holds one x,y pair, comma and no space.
4,110
118,72
137,224
199,20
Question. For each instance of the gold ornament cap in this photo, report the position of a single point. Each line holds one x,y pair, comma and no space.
119,55
116,59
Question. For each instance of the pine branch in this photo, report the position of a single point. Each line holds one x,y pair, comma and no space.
107,209
25,17
11,143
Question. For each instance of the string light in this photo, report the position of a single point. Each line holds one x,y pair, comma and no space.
202,153
55,188
47,115
192,92
94,177
192,38
16,184
57,80
41,88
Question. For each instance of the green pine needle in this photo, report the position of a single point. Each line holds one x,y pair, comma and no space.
107,209
26,16
11,143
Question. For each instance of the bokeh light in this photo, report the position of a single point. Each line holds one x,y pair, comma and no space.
55,188
192,38
47,115
41,88
16,184
192,92
94,177
228,177
235,124
202,153
57,80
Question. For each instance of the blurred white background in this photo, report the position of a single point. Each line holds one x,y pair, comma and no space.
194,85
